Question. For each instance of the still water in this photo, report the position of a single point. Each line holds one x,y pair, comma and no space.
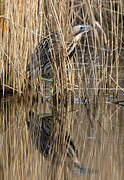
39,140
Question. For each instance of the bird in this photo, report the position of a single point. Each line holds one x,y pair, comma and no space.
48,49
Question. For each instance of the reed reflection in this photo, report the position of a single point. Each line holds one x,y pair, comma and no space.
54,142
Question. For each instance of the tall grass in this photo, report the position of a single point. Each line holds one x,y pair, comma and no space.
24,23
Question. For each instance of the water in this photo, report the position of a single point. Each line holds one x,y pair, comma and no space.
95,127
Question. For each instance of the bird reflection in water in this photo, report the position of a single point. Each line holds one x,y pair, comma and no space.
52,144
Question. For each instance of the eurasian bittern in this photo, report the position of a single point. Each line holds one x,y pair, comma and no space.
48,51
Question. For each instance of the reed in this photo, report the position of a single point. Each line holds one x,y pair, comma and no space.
24,23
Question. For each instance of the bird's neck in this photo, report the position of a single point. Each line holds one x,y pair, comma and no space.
71,48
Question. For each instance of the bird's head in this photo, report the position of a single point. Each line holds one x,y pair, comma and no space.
78,30
75,35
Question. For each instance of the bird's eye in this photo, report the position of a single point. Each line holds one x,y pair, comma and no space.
81,27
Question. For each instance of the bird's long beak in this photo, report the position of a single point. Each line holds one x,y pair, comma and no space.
85,28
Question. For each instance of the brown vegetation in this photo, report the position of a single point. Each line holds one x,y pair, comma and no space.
24,23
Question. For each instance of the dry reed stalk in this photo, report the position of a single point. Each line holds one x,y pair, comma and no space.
59,24
17,41
24,23
105,15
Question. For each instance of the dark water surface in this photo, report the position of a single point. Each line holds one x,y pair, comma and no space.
37,139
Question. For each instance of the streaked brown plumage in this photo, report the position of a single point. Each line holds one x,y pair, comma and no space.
48,51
